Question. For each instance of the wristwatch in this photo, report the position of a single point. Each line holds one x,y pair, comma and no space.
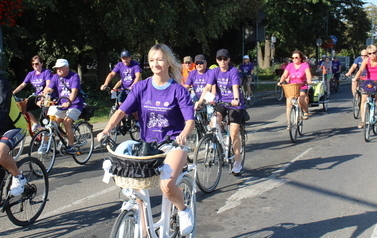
236,99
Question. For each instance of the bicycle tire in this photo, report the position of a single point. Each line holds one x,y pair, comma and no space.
293,130
46,155
243,144
367,124
251,101
124,225
25,209
115,130
134,129
84,142
189,198
300,122
192,142
17,151
279,94
208,160
356,103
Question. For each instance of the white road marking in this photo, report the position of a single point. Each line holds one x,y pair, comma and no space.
374,234
253,187
64,208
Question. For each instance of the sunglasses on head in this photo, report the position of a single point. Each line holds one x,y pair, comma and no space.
199,62
372,53
220,58
34,64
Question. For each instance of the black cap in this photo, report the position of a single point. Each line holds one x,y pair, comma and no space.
200,58
125,54
223,52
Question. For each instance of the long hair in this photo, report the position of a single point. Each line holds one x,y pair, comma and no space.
302,56
175,66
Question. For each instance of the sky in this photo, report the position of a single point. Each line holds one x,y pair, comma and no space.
371,1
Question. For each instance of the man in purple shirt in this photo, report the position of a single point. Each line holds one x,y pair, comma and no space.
129,72
246,70
67,84
198,78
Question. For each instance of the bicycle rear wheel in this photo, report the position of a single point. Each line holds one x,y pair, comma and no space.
189,197
124,226
134,129
84,142
40,149
293,130
278,92
25,209
300,122
208,160
368,123
356,103
115,130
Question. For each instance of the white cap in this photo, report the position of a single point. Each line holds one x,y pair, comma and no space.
61,63
324,56
246,57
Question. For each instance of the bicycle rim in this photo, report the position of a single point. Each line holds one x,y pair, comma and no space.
208,160
84,142
134,130
25,209
300,122
114,131
367,124
124,226
39,149
356,102
293,125
278,92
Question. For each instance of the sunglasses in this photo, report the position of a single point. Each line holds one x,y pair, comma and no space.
199,62
36,64
187,62
295,57
364,55
222,58
372,53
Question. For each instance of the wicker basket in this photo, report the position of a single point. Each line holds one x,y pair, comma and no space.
137,183
291,90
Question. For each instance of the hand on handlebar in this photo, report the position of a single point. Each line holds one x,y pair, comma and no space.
103,87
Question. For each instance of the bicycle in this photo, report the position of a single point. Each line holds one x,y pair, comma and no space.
370,112
334,85
356,101
200,130
25,209
136,217
214,151
45,143
249,97
279,94
296,124
127,124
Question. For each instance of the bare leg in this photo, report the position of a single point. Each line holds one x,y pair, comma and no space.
7,161
235,135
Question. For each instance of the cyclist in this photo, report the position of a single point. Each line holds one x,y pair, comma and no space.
165,109
129,71
369,64
227,82
336,69
298,72
187,67
9,137
327,68
39,79
246,71
355,66
67,84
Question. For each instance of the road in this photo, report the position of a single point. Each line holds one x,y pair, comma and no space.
321,186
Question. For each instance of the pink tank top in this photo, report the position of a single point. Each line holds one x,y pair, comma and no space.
371,71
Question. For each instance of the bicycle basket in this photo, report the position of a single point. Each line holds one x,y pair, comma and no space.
87,112
291,90
368,86
136,173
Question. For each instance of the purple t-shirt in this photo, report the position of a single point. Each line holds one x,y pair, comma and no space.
127,73
161,112
38,80
64,86
246,68
224,84
336,66
359,61
198,81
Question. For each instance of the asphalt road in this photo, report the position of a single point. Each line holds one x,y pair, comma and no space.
321,186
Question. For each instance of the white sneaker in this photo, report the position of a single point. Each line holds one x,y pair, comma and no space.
17,187
248,98
186,221
237,167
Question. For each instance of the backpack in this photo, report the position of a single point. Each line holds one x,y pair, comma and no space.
16,115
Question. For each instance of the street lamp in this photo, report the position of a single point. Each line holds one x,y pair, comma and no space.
319,43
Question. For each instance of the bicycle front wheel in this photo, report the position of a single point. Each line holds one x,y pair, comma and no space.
17,151
208,160
124,226
368,123
84,142
115,130
43,147
356,103
134,130
293,130
25,209
300,122
278,92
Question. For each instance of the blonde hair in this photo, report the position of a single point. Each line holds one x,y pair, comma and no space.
371,48
175,66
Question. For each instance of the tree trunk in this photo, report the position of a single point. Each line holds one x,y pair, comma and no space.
260,56
103,60
267,55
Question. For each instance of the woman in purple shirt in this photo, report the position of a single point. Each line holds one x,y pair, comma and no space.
39,78
227,82
165,109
